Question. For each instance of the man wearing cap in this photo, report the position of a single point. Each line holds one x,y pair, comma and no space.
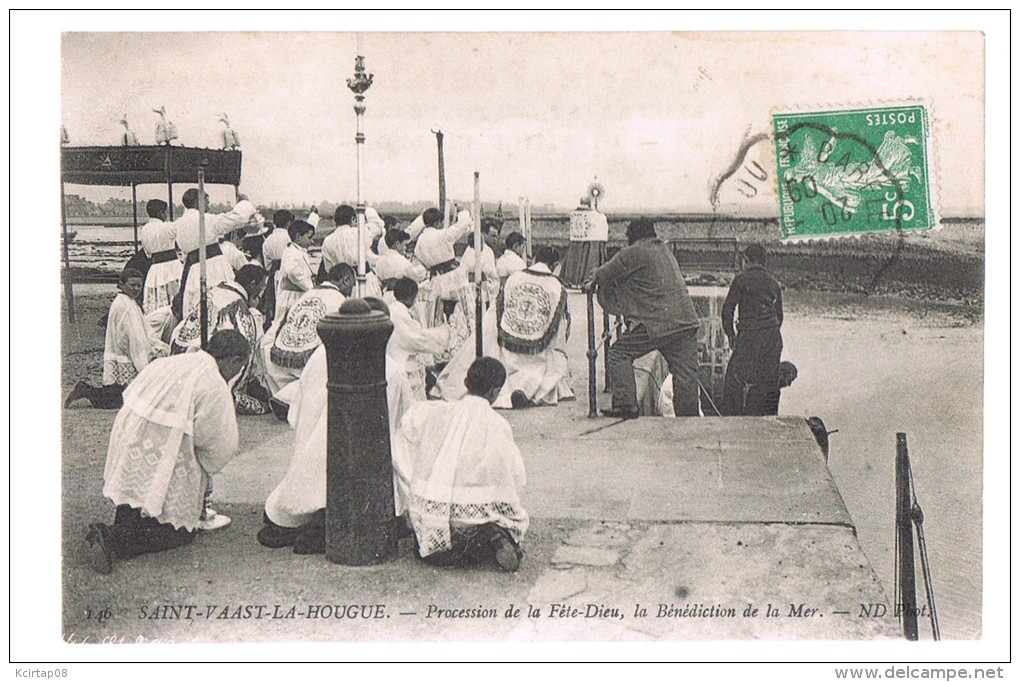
752,375
643,284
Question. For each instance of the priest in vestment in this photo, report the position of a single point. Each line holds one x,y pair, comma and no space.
512,259
527,332
294,336
295,510
233,305
341,245
159,240
490,275
394,264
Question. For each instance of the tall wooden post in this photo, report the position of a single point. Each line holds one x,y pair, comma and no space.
527,227
134,211
905,541
442,170
360,526
359,85
521,224
478,267
203,309
170,182
68,278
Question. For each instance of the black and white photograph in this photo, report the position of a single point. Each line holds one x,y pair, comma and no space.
554,336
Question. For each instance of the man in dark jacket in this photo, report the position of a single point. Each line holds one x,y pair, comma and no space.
752,375
643,284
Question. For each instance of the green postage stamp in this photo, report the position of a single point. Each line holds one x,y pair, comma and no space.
853,172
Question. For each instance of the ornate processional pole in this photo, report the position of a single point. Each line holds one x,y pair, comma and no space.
358,85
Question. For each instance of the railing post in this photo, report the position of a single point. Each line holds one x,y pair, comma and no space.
905,541
605,346
592,354
360,527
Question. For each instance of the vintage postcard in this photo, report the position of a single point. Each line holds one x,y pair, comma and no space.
652,469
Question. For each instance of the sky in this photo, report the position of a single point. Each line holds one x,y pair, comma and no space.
655,116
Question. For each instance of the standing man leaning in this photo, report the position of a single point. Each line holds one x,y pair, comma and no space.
752,375
643,283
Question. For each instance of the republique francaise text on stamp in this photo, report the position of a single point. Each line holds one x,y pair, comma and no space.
853,172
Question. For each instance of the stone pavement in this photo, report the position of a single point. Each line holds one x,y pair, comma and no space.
645,530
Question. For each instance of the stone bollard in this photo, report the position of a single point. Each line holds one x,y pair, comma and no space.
359,470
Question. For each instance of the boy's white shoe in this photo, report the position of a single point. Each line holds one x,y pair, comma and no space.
213,520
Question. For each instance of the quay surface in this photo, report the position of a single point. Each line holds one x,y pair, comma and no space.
654,529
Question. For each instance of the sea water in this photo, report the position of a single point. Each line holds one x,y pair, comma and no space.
871,373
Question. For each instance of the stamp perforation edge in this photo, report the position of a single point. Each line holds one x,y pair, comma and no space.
930,151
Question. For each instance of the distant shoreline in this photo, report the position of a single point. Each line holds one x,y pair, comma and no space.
942,265
115,221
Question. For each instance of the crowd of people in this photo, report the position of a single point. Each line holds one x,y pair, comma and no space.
179,377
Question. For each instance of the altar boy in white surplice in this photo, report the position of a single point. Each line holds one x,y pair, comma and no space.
458,473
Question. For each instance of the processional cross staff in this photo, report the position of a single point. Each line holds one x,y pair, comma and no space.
359,85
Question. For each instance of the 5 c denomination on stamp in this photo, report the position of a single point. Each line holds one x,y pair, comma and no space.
852,172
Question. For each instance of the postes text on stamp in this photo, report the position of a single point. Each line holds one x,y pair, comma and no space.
853,172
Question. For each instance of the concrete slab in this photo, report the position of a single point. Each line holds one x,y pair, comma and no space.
767,470
697,581
678,478
643,527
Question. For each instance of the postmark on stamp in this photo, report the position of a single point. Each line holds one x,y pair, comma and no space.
853,172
